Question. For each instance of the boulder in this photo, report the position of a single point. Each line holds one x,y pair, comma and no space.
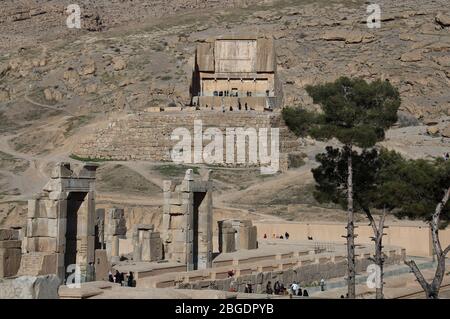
118,63
88,68
412,56
446,131
432,130
443,19
52,94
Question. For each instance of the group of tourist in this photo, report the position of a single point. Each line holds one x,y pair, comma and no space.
119,278
279,289
286,236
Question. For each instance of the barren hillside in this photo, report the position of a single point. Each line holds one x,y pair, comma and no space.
57,85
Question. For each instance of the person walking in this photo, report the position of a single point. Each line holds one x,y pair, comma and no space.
286,235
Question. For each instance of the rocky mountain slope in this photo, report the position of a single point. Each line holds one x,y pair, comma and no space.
58,84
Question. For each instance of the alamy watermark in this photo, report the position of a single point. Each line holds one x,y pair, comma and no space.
73,21
374,278
258,150
374,18
74,279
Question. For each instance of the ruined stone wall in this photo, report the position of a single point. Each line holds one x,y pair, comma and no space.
305,269
146,136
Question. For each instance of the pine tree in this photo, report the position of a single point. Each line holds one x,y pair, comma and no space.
357,113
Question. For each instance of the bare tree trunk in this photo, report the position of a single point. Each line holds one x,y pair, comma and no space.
378,239
350,230
432,290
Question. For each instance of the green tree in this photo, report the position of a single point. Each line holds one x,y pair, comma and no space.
357,113
370,169
414,187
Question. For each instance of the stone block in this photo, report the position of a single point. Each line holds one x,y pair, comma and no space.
115,213
88,171
144,227
10,244
42,227
42,244
179,209
9,261
33,208
178,222
180,236
117,227
9,234
186,186
48,209
101,265
30,287
61,170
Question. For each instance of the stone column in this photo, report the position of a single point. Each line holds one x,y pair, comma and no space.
116,230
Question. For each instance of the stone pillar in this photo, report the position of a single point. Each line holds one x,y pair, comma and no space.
116,230
147,244
227,242
100,226
187,222
10,252
46,239
237,234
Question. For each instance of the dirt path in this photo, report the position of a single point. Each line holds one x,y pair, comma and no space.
34,177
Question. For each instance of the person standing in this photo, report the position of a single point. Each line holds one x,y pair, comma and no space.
276,288
131,279
269,289
117,277
110,276
295,288
322,284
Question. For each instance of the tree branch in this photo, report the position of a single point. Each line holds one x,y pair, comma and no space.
371,221
446,251
435,223
420,278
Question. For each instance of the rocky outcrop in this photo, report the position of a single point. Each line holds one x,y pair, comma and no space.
348,36
413,56
443,19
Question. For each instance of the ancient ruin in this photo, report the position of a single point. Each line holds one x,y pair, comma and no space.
147,243
236,235
187,222
10,252
237,73
61,224
141,81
